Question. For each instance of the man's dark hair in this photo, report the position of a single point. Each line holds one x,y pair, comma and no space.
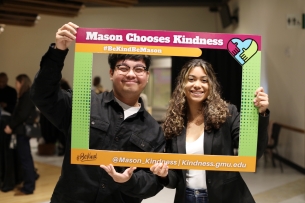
114,58
2,74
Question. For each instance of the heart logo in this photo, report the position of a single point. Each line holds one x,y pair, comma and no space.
242,51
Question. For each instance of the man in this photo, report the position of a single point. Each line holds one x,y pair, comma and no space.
8,95
118,122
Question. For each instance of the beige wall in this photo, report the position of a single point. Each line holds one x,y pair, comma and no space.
21,48
282,73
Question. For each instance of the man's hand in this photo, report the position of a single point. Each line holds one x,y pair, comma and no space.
8,130
160,169
118,177
3,104
65,36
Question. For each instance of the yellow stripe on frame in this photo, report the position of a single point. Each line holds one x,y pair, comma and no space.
174,161
138,49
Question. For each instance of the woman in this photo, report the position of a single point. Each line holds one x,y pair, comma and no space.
22,112
97,87
199,121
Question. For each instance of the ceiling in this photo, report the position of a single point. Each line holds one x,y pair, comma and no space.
26,12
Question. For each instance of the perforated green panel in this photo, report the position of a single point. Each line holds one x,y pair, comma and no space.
248,112
81,100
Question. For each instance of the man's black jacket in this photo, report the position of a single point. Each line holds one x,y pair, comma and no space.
108,131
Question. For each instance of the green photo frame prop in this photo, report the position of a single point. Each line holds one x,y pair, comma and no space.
246,49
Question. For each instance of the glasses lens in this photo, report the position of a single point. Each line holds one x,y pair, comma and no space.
139,70
123,70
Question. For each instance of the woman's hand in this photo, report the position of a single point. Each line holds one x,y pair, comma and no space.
118,177
261,100
160,169
8,130
65,36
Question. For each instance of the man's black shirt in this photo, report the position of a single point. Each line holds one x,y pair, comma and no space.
108,131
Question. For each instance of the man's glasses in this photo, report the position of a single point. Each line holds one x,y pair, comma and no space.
124,69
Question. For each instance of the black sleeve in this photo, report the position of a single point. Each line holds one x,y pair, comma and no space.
262,140
54,103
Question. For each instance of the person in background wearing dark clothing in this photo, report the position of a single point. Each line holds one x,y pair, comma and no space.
64,84
97,87
24,109
8,95
199,121
10,168
118,121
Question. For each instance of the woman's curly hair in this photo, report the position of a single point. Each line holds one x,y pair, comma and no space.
215,109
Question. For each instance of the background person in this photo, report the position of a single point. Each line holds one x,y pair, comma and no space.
97,86
8,95
199,121
23,111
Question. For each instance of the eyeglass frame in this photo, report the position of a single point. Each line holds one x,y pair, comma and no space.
129,68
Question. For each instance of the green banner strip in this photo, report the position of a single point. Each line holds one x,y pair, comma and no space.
248,112
81,100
